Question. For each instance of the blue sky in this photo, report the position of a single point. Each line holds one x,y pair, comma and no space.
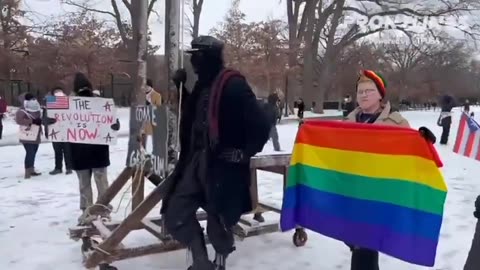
213,12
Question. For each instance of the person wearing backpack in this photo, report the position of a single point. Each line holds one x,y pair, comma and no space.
222,127
3,110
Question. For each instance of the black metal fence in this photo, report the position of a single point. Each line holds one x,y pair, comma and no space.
119,89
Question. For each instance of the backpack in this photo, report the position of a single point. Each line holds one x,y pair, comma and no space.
260,132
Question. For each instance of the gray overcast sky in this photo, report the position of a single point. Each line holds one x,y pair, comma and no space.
213,12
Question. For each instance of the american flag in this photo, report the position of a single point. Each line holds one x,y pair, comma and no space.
57,102
468,138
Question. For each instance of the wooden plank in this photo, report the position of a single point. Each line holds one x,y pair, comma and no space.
168,246
155,229
132,220
254,189
270,161
102,229
273,169
115,187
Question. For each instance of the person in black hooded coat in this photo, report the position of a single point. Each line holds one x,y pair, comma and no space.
222,127
89,159
445,119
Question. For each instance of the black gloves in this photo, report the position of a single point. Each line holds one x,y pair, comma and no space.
477,208
50,121
37,121
180,77
427,134
116,126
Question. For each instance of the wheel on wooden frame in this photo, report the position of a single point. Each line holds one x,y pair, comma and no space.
300,237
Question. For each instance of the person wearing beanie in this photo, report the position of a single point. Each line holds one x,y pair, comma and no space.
374,109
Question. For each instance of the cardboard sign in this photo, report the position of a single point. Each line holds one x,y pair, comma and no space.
157,117
82,120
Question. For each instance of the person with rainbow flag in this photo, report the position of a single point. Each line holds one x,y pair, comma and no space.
374,109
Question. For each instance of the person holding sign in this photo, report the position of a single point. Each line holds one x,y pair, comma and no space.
61,149
89,159
29,118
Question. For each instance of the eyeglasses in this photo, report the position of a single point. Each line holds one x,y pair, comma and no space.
366,92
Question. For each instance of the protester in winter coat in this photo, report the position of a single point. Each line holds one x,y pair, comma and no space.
466,106
373,109
445,119
3,110
29,117
272,112
61,149
153,98
222,127
89,159
301,108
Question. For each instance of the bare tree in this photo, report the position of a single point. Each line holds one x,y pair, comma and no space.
124,26
196,9
325,35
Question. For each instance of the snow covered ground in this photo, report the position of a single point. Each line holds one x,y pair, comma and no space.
35,216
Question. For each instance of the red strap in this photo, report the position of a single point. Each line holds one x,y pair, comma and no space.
214,104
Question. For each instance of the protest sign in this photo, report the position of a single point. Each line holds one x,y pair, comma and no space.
82,120
157,117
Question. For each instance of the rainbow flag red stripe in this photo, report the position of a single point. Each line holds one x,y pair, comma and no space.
377,187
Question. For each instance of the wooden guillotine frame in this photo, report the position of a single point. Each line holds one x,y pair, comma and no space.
102,238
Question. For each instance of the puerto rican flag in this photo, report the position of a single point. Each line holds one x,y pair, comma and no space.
468,138
57,102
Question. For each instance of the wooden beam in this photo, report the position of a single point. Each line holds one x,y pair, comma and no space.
132,220
115,187
155,229
102,229
263,161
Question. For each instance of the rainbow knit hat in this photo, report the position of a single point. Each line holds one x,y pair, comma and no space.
366,75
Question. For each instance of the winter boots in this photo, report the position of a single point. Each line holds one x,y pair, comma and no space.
200,254
59,171
31,172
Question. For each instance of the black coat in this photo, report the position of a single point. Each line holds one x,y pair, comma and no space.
228,184
89,156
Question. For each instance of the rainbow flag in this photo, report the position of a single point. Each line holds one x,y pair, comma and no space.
377,187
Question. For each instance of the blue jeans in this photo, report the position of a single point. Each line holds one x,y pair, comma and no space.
31,152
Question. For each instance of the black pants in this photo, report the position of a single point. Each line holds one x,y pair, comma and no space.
31,151
364,259
62,152
1,125
445,134
180,216
300,114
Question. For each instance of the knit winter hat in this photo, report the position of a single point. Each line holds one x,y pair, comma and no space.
369,75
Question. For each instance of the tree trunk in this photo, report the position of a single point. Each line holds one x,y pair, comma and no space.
197,11
140,31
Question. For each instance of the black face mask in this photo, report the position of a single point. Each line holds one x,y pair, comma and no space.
197,61
206,64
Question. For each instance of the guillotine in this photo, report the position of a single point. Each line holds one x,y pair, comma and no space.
102,238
